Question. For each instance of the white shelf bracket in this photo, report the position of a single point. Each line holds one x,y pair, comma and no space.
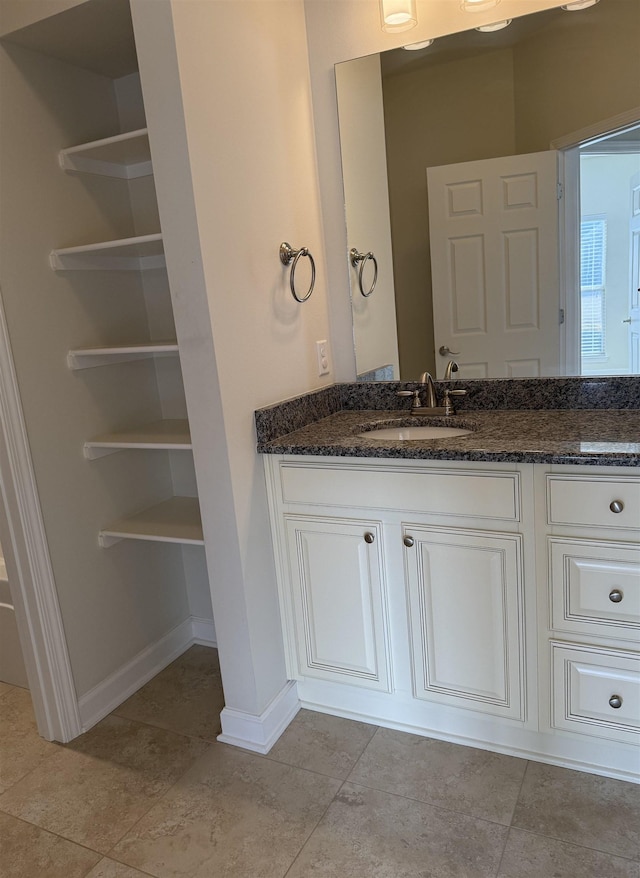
107,540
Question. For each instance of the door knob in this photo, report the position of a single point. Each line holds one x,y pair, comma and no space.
369,537
408,541
444,351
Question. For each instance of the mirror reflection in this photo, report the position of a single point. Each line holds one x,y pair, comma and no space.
496,179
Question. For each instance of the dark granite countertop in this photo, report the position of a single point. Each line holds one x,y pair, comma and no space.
603,437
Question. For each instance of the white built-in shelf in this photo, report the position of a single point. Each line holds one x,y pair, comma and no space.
87,358
167,435
173,521
126,254
125,156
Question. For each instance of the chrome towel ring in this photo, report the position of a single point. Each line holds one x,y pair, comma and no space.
363,258
287,254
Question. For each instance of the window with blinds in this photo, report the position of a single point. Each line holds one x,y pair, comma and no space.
593,251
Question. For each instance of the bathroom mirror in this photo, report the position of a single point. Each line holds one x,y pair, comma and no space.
518,276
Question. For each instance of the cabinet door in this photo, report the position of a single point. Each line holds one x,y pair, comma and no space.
465,605
338,602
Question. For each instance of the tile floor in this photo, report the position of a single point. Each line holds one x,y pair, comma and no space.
149,792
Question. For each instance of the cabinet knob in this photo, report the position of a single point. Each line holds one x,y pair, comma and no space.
616,506
615,595
408,541
615,701
369,537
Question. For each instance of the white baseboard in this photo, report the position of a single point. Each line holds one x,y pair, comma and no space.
112,691
203,631
259,733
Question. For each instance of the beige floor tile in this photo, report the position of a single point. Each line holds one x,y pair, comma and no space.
186,697
534,856
233,815
370,834
596,812
464,779
319,742
29,852
107,868
93,790
22,747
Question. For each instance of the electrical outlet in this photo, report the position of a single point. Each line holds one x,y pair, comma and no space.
324,359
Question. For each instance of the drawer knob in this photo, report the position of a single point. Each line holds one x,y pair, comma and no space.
615,701
408,541
616,506
369,537
615,595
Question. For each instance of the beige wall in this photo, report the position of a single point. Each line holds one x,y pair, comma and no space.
591,72
16,14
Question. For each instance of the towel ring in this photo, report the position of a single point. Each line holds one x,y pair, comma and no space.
287,254
363,258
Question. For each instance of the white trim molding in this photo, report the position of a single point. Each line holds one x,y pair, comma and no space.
259,733
33,586
203,631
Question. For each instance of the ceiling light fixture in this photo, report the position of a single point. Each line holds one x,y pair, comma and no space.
398,15
478,5
413,47
497,25
577,5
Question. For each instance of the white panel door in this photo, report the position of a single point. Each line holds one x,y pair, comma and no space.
494,264
338,601
465,601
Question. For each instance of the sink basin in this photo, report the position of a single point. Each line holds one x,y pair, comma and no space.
418,431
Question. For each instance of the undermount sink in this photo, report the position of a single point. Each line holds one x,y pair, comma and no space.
417,431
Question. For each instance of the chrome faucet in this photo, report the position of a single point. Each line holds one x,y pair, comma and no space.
430,406
451,367
427,380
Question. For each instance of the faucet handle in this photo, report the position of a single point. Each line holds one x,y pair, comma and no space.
448,404
416,404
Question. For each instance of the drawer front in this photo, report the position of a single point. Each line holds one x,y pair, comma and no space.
596,692
469,494
594,501
595,587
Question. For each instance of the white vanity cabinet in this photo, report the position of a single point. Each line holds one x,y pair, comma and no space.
592,555
496,605
403,576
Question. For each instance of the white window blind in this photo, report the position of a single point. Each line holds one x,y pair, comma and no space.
593,250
